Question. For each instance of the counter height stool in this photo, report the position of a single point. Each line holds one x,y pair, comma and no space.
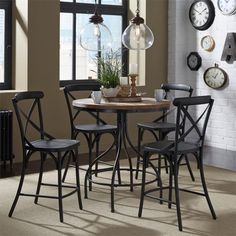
174,151
161,126
46,145
92,132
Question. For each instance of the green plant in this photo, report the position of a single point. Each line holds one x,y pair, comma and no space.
109,68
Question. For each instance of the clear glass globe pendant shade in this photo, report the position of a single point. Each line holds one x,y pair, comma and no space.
95,37
138,37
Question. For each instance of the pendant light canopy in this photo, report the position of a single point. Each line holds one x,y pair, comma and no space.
95,36
137,36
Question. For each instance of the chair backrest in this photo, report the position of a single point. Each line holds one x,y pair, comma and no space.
71,93
171,87
28,111
197,116
176,87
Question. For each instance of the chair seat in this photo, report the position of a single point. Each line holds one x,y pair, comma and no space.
54,145
96,128
162,147
162,126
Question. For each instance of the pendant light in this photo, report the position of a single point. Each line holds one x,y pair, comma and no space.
95,36
137,36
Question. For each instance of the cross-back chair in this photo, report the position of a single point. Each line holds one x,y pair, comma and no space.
160,127
174,151
92,132
28,111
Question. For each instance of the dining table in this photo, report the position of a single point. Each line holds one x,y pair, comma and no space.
123,140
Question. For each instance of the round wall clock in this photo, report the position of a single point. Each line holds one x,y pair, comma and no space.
194,61
227,7
215,77
202,14
208,43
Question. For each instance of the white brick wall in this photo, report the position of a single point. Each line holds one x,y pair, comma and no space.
183,39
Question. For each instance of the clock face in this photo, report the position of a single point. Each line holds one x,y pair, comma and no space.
208,43
194,61
202,14
215,77
227,7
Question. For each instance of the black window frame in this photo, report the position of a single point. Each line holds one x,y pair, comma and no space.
7,6
87,8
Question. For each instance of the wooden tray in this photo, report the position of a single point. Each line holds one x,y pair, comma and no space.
124,99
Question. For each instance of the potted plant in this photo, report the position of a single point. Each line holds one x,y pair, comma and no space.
109,72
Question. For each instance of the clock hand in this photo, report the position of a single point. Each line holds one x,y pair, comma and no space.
203,11
197,11
215,76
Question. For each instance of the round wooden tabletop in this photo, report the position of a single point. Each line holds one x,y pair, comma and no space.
147,104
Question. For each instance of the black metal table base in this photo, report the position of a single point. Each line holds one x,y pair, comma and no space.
121,140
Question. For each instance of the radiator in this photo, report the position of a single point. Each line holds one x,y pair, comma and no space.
6,136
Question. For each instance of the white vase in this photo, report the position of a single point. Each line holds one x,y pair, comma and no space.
110,92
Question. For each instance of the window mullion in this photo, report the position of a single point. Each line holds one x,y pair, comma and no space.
74,48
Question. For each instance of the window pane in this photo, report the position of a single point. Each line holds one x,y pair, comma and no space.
85,60
114,23
66,40
86,1
112,2
2,44
66,0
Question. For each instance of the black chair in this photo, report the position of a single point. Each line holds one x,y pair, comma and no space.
174,151
162,127
92,132
46,145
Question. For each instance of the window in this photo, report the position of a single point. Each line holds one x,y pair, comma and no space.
75,62
5,44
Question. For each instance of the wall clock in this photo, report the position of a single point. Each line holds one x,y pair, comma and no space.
208,43
194,61
227,7
202,14
215,77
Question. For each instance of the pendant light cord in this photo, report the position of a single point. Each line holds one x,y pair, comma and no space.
96,6
138,5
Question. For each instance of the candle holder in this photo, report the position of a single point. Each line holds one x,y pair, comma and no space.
133,84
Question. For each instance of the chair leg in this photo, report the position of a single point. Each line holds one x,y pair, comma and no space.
166,165
97,153
145,156
205,189
66,168
177,194
78,178
159,167
170,184
60,187
43,158
90,159
18,190
140,134
189,168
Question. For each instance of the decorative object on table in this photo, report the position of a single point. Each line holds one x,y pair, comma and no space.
227,7
96,96
124,91
133,78
215,77
133,74
229,52
137,36
208,43
202,14
124,99
95,36
194,61
159,94
109,71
